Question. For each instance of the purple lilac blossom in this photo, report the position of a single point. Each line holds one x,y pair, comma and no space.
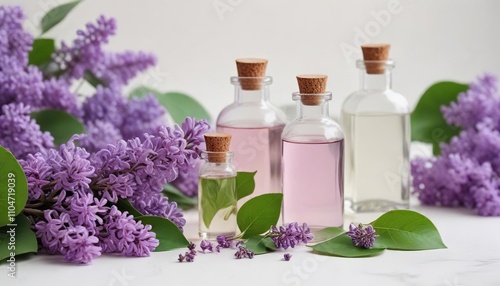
58,234
56,94
466,172
86,53
187,182
362,236
15,43
121,67
290,235
122,234
99,134
108,104
143,115
287,256
20,134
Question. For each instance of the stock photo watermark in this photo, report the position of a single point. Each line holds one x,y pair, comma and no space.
32,23
373,28
302,271
11,232
223,7
121,278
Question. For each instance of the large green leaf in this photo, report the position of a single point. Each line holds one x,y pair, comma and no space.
60,124
260,244
245,184
167,233
217,195
56,15
326,233
24,239
13,187
258,214
407,230
179,105
342,246
124,205
427,121
174,195
41,52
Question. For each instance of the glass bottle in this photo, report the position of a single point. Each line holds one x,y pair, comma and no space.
313,151
376,123
217,191
255,125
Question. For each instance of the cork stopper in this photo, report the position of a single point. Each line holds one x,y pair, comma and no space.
309,85
219,143
251,68
375,52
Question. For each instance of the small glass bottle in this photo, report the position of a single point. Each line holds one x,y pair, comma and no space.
313,152
255,125
217,189
376,122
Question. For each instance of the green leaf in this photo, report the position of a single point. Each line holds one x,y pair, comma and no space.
124,205
427,121
167,232
41,52
258,214
260,244
179,105
245,184
183,201
342,246
326,234
216,195
56,15
25,239
91,78
407,230
60,124
13,187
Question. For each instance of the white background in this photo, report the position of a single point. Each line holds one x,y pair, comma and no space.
196,41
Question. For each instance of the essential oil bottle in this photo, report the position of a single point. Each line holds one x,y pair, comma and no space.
255,125
313,152
376,122
217,189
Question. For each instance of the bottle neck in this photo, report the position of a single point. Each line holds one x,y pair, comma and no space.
260,95
251,89
313,111
312,106
381,81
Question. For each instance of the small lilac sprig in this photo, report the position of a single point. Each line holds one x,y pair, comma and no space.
290,235
206,245
243,252
362,236
190,255
287,256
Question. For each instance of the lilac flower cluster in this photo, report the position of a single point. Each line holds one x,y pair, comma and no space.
290,235
467,171
362,236
108,115
75,188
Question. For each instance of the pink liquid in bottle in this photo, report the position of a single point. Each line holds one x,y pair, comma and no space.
257,149
313,182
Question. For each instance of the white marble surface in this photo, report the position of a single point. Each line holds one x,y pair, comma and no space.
472,258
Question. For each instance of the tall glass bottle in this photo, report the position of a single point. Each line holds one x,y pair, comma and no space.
313,151
255,125
217,189
376,123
